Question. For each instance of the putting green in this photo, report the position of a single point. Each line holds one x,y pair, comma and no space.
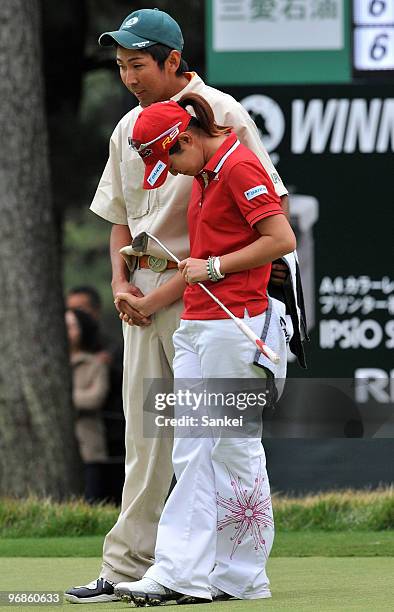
287,544
311,583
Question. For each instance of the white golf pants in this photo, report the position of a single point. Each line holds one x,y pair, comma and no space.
217,525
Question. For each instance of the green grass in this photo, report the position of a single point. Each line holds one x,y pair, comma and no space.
315,584
337,511
44,518
287,544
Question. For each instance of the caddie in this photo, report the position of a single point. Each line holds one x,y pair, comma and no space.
149,45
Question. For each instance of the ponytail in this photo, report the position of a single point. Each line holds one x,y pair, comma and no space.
204,118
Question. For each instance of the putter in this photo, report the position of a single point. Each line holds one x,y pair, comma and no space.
140,245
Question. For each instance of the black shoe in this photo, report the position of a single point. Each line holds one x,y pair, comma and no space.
97,591
219,595
191,599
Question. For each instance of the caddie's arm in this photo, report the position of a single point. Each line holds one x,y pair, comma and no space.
121,237
279,271
159,298
284,202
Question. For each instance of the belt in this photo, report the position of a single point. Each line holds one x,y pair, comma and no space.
156,264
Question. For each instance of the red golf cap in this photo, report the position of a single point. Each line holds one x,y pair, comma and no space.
156,130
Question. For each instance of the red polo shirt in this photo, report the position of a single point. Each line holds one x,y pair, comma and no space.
230,194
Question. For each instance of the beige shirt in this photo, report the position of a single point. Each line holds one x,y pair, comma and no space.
120,198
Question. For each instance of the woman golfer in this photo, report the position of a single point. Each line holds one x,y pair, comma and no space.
216,530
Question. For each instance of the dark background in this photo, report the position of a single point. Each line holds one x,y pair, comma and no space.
354,232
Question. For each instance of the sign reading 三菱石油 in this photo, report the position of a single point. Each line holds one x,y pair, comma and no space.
273,26
278,41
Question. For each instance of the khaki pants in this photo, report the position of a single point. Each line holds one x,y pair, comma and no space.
129,546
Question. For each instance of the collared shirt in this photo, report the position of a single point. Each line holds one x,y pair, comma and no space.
229,196
120,198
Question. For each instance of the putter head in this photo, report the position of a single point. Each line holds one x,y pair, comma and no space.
140,243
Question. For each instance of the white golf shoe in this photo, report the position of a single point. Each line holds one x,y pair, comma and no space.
145,592
148,592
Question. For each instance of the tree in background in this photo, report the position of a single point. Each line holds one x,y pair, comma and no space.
38,452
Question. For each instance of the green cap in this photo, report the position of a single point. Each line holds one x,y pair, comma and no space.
145,28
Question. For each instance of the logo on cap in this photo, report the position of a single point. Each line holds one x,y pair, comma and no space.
145,153
156,172
170,138
130,22
141,44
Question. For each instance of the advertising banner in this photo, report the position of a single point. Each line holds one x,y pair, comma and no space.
333,147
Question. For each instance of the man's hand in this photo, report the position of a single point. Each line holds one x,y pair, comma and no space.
279,273
193,270
133,303
128,313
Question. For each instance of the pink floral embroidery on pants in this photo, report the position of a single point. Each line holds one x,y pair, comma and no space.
248,512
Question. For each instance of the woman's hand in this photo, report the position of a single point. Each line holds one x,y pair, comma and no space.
193,270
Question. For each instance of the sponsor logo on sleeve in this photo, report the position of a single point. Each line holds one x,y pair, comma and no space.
156,172
255,191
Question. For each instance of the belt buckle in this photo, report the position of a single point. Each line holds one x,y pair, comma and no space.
157,264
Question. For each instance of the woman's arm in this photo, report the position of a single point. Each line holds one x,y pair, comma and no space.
277,239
